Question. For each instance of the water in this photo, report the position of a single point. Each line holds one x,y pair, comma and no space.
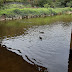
39,41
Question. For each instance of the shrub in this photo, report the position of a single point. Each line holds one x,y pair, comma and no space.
69,4
17,11
57,4
46,5
29,5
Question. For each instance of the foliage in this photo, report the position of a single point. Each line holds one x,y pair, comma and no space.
41,3
46,5
17,11
50,7
13,10
69,4
55,3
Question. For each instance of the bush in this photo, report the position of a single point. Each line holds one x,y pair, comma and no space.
57,4
17,11
69,4
46,5
29,5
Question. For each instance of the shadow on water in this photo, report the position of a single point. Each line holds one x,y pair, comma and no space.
42,44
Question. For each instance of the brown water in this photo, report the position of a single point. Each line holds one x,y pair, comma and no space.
41,41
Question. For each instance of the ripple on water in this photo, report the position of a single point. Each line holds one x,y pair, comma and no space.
50,51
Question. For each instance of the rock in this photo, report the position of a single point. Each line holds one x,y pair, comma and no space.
52,14
20,17
32,16
8,18
23,17
69,12
4,46
2,19
14,18
48,15
41,32
37,16
28,17
40,38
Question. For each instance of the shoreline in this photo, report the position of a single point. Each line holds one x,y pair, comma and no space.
4,18
27,13
11,62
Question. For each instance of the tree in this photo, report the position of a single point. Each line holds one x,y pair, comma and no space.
46,5
69,4
42,2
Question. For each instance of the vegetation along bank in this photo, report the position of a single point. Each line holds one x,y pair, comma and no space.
19,11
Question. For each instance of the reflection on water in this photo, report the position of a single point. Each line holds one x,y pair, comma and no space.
45,45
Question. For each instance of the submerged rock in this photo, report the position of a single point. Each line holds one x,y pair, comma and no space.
40,38
41,32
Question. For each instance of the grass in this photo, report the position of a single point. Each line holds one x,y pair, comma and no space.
16,26
18,9
39,21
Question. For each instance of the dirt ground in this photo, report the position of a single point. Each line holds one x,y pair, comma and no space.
11,62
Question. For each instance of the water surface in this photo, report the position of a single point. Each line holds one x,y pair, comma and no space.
41,41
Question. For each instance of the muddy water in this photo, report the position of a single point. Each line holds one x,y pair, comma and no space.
41,41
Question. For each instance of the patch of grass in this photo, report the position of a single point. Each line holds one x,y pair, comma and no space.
18,9
58,10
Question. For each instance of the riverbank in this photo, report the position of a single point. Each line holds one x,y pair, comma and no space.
12,12
26,33
11,62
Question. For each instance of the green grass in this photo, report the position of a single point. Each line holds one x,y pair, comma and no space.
16,26
18,9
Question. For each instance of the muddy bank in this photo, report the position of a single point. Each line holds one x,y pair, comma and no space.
11,62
